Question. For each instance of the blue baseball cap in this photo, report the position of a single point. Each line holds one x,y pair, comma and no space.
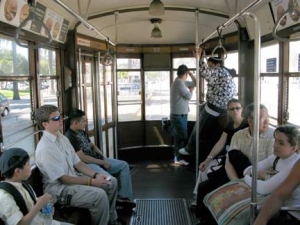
8,154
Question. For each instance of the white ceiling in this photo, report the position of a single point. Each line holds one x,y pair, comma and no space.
178,23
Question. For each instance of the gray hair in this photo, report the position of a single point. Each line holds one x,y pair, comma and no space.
249,111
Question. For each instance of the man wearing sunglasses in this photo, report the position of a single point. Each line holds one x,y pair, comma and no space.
90,154
73,182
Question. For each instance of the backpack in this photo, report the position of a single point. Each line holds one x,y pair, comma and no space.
17,195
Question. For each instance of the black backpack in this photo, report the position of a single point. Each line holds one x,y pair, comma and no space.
17,195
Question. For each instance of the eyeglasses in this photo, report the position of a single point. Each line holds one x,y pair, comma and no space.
234,108
55,118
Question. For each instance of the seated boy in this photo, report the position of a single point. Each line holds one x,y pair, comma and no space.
15,167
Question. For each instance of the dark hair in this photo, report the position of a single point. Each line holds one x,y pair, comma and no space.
235,101
75,115
182,69
9,173
291,132
249,111
215,60
42,114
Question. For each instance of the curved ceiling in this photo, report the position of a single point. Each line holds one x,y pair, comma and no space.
131,24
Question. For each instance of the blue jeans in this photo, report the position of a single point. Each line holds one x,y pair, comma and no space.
121,167
178,130
204,120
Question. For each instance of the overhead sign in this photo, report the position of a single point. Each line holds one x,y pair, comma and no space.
281,6
271,65
15,11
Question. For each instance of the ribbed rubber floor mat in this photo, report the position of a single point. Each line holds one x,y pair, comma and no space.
160,212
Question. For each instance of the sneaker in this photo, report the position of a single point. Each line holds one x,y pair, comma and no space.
182,151
125,203
182,162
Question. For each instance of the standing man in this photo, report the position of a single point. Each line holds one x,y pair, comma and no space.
220,89
90,154
179,102
71,180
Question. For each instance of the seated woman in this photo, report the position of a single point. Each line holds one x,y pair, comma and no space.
236,122
273,170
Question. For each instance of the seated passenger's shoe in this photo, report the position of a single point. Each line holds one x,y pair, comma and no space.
194,204
181,162
182,151
125,203
165,123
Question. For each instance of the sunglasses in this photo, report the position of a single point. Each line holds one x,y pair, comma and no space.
55,118
234,108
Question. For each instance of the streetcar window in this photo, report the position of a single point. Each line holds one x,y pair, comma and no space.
294,58
270,59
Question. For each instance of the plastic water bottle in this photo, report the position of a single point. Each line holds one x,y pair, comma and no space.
47,213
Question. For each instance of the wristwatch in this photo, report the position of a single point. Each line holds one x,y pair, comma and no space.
210,157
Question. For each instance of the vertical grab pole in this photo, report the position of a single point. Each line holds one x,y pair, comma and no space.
79,80
97,85
197,93
255,144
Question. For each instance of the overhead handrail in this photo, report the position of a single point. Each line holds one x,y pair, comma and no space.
219,46
292,10
31,16
232,19
83,21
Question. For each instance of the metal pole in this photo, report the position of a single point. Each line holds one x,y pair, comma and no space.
254,3
79,80
82,20
97,86
255,145
20,139
197,93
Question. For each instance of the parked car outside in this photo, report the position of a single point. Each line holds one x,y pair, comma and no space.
4,105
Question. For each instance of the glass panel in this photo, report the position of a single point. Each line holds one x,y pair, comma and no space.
129,97
104,144
129,64
109,102
269,87
269,59
232,61
48,92
47,62
13,59
157,95
294,93
129,112
190,62
16,111
89,104
294,57
111,142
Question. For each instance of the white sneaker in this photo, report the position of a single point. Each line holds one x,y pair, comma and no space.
182,162
182,151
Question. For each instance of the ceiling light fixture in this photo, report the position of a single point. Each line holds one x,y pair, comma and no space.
156,8
156,32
